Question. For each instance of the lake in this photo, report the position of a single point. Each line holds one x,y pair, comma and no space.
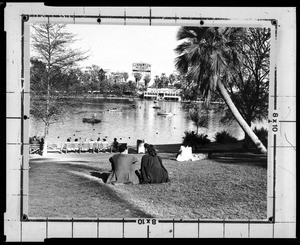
129,124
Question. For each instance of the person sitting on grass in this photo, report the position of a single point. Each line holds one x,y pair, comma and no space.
152,169
115,145
123,168
105,145
186,154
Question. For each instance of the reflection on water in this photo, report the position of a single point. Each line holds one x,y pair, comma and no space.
128,124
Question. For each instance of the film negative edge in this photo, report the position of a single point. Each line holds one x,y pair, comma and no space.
135,17
161,221
47,219
136,220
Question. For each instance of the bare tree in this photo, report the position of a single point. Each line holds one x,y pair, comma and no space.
199,116
52,46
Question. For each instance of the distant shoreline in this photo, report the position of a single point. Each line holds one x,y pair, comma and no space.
212,147
129,98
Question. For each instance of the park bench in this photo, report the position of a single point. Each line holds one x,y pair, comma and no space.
93,146
54,148
71,147
34,148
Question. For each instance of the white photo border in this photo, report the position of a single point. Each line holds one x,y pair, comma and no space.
281,218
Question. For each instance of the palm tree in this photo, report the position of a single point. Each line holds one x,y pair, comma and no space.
172,79
147,79
138,77
205,56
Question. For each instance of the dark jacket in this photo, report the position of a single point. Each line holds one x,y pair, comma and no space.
123,169
152,170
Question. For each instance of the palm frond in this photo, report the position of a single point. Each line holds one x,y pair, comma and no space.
183,33
191,32
181,48
195,73
182,63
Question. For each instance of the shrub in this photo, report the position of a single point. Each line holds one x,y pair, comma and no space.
34,139
224,137
262,134
188,137
201,139
195,139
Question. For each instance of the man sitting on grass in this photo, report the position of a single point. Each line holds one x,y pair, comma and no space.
115,145
123,168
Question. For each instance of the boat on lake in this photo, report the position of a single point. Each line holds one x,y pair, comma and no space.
112,109
90,120
164,113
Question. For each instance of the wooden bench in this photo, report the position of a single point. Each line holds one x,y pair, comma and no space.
54,148
34,148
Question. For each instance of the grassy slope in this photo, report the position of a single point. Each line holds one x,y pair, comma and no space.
230,185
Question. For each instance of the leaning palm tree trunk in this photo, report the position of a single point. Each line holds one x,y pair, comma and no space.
239,118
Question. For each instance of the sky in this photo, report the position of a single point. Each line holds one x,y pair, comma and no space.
116,47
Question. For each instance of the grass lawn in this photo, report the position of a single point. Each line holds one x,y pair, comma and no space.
226,186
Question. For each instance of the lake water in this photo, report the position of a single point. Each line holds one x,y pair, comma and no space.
129,124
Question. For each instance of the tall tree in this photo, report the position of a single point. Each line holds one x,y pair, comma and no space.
52,46
157,81
77,84
164,80
130,87
172,79
125,76
138,77
199,116
205,56
96,76
248,84
147,79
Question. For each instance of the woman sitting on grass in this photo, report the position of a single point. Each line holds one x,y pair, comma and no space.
186,154
152,169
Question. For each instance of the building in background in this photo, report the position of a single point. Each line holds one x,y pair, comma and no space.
141,67
162,94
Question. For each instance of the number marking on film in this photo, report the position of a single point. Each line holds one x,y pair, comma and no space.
275,122
147,221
